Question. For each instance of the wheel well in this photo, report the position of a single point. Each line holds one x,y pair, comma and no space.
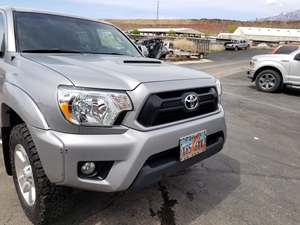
9,119
266,68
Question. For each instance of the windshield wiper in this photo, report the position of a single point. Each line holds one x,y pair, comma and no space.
51,50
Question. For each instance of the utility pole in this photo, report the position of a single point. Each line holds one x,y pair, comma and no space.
157,12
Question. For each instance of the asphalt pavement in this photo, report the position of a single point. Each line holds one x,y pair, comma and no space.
255,180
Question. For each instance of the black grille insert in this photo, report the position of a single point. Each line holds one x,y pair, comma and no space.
168,107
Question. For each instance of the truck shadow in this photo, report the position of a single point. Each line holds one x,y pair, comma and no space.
192,192
286,91
292,91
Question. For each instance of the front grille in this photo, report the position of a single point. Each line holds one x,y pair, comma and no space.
168,107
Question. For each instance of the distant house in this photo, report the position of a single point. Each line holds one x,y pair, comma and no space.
179,32
263,34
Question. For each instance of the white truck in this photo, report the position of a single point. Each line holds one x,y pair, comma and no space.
237,45
274,71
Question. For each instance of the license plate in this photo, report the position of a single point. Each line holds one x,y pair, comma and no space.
192,145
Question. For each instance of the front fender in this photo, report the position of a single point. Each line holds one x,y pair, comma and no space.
269,64
23,105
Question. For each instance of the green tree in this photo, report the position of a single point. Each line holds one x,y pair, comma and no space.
171,33
231,28
135,32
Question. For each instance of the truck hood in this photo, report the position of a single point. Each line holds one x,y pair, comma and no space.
272,57
112,72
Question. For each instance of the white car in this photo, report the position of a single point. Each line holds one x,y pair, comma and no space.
274,71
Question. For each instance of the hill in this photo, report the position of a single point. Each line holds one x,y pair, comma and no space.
289,16
208,26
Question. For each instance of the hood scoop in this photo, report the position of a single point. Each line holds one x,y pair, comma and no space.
142,62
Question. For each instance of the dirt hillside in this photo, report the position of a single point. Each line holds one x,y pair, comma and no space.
210,27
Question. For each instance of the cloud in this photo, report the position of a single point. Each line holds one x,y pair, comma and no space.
187,9
114,3
272,2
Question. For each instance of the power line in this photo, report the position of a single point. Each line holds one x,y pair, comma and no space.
157,11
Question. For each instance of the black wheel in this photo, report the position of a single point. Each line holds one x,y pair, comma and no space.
236,49
269,81
42,201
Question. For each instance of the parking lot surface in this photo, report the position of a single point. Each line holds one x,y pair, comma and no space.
255,180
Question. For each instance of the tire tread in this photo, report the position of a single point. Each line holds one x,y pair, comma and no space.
51,200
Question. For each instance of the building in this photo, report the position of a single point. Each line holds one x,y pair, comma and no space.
263,34
179,32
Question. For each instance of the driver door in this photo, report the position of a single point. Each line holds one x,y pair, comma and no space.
294,76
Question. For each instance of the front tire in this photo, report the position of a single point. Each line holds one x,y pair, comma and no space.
41,200
268,81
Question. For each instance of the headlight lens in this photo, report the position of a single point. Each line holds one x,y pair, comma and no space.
252,62
219,87
92,107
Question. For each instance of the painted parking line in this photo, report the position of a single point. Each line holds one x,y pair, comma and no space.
192,62
226,64
262,103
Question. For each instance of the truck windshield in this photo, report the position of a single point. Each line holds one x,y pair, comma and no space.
44,33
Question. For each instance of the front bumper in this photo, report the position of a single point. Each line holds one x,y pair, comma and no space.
230,47
60,153
152,172
250,74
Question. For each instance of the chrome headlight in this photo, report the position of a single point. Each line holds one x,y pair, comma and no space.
92,107
219,87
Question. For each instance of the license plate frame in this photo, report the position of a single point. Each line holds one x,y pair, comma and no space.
192,145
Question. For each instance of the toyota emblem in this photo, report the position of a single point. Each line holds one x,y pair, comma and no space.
191,102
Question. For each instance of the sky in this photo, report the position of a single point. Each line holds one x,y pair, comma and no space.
192,9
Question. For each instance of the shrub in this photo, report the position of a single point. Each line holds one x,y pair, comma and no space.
135,32
185,45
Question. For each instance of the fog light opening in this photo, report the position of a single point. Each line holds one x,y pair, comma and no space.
94,170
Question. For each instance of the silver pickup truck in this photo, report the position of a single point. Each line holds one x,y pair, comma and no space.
81,107
237,45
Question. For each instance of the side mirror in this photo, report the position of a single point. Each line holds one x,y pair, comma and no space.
144,50
297,57
2,46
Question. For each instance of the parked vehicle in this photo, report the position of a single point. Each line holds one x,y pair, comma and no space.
81,107
144,50
237,45
286,49
156,48
272,72
189,47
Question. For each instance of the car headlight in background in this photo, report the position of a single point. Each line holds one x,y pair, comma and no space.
92,107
